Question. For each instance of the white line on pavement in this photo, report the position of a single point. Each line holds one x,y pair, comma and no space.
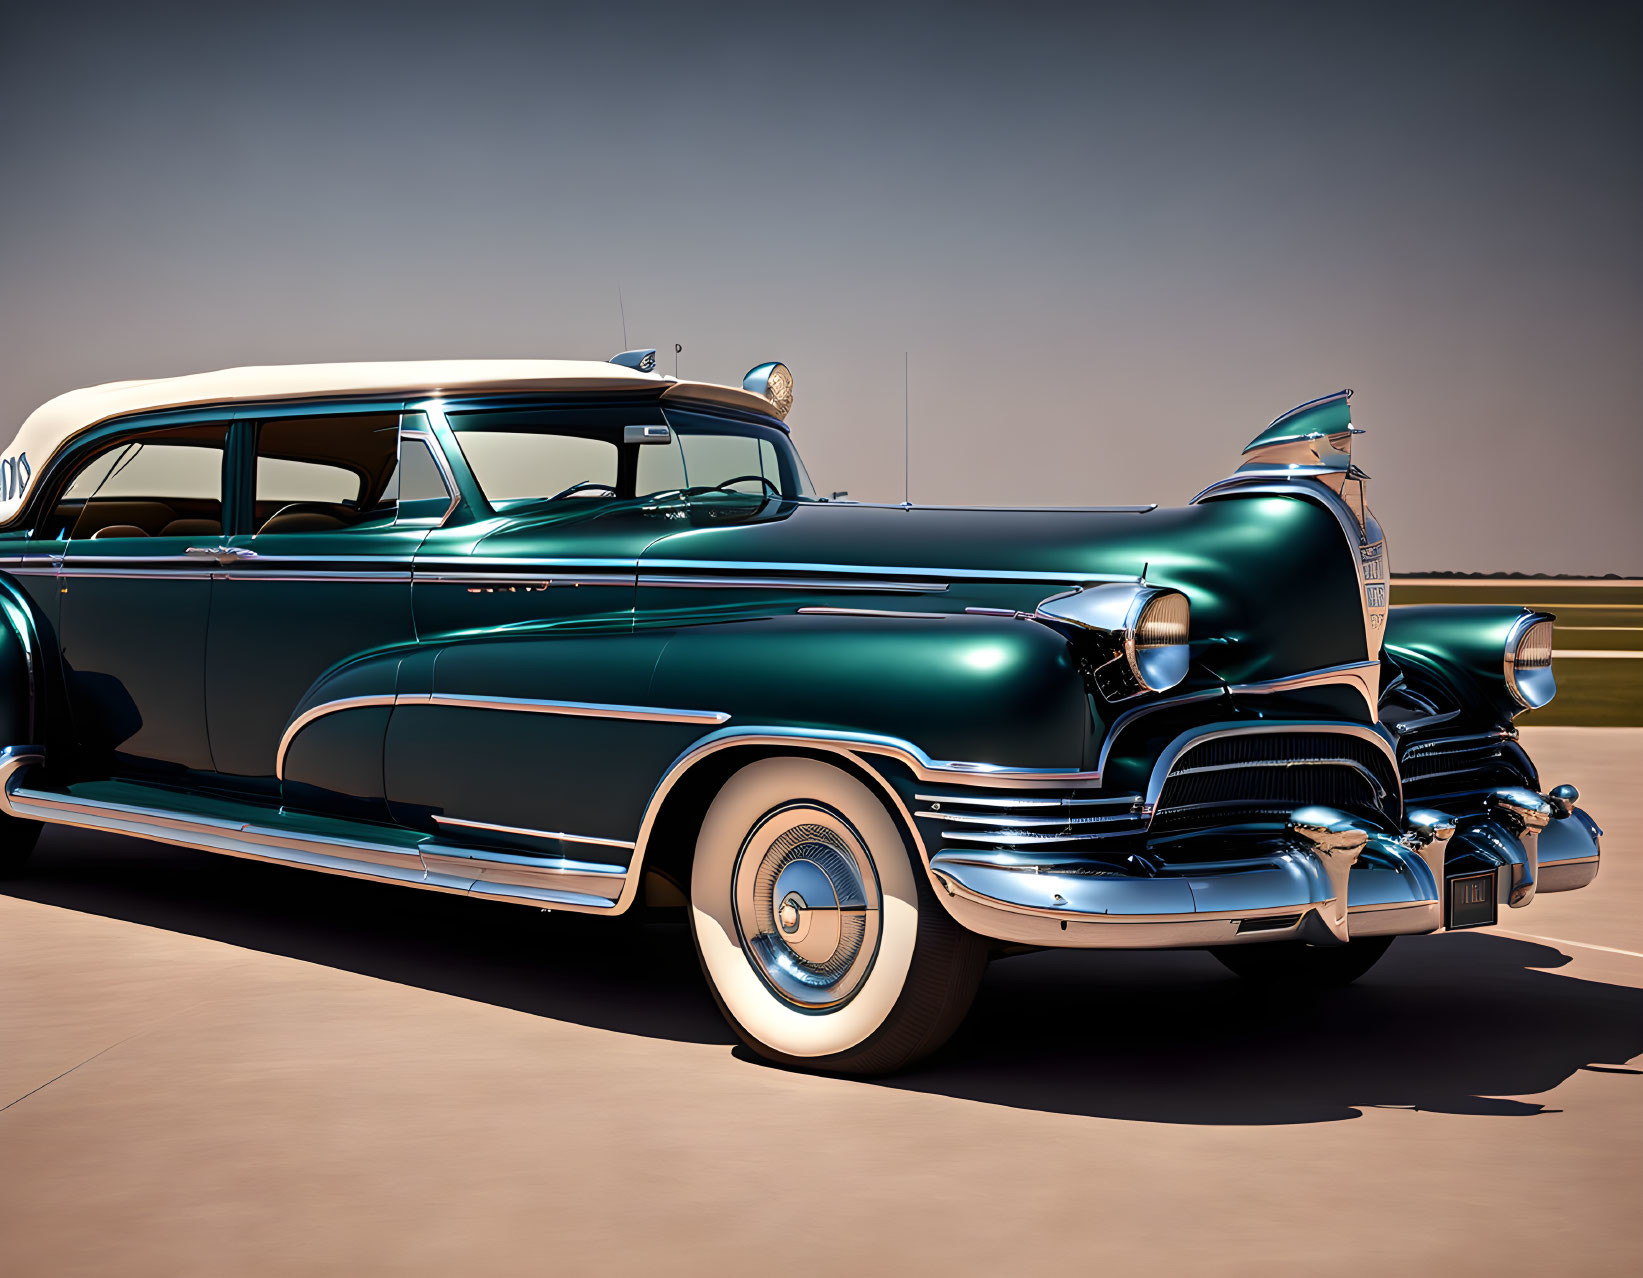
1554,940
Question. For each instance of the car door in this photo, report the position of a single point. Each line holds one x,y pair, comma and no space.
139,516
317,571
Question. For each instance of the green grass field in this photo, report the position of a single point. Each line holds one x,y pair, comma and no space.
1592,617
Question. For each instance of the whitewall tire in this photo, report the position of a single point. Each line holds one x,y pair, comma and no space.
816,927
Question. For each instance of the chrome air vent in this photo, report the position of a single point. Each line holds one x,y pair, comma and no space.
1461,765
1248,776
1021,830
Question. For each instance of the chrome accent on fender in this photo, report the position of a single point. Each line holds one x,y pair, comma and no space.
968,801
320,711
522,832
1015,822
579,709
224,554
861,586
871,612
525,705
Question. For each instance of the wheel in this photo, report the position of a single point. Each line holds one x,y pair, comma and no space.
817,930
1296,967
17,840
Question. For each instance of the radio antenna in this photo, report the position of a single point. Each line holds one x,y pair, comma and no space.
906,431
624,311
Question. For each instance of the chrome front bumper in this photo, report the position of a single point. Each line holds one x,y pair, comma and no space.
1290,890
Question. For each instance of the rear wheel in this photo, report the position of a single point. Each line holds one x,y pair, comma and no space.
17,840
1294,966
822,942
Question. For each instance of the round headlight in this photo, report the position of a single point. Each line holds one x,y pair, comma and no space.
775,382
1157,643
1529,660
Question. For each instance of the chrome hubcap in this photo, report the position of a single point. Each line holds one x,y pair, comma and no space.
807,905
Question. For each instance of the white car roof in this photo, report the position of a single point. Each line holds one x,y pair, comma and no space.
48,428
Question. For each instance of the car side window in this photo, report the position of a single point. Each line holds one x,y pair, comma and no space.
160,483
325,474
714,460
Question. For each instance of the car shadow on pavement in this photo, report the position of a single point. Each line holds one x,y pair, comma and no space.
615,974
1454,1023
1451,1023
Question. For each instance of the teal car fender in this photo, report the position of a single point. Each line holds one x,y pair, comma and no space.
539,731
1455,654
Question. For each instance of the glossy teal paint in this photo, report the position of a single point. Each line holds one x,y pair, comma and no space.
677,603
1456,651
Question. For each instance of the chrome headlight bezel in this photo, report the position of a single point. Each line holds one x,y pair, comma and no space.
1140,631
1527,661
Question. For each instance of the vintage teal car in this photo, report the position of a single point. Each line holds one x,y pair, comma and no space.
582,636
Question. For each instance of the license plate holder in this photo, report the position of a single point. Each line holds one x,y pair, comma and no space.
1472,901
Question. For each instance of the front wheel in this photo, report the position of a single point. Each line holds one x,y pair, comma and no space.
819,934
1295,967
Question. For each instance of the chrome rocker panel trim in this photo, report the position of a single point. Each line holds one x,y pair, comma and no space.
549,882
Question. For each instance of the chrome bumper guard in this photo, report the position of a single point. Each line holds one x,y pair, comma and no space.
1330,878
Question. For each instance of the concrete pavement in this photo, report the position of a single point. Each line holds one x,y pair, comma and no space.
214,1067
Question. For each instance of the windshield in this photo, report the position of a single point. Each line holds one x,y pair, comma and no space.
585,454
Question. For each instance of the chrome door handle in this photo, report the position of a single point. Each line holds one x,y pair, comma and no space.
222,554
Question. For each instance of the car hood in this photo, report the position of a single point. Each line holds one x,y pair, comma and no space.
1273,583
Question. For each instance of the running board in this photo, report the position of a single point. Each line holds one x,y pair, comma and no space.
421,861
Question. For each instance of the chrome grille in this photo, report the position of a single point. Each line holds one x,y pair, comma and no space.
1264,776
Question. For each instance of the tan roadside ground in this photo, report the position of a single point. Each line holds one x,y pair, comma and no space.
213,1067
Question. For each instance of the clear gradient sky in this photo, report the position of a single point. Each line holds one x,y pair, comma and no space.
1116,240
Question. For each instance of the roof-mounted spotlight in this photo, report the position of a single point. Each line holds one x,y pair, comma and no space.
773,381
644,361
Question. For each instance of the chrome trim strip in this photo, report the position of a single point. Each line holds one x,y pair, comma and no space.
518,878
870,612
390,578
526,705
580,709
865,585
1022,822
978,802
316,712
582,867
1033,840
517,579
876,571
